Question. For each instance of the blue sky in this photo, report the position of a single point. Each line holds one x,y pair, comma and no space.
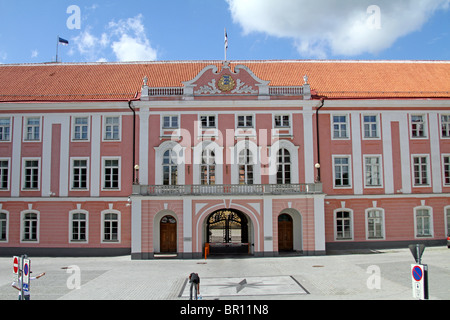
194,30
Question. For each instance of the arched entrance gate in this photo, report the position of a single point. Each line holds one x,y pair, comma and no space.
227,232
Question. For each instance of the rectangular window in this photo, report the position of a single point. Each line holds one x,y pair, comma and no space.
423,223
446,170
208,121
170,122
340,127
31,174
342,172
375,224
112,128
420,165
282,121
30,227
343,225
445,126
371,127
373,173
4,174
33,129
81,129
418,126
80,174
245,121
79,226
111,174
5,129
3,226
111,227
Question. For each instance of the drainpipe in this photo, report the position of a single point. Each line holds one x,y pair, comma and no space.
134,138
322,102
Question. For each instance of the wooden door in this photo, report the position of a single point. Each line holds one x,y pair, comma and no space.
168,235
285,233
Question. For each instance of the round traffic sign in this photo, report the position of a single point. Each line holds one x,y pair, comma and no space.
417,273
16,265
25,269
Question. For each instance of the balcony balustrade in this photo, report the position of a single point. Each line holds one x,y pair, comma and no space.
231,189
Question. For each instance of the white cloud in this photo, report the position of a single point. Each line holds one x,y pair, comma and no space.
126,38
321,27
132,43
34,53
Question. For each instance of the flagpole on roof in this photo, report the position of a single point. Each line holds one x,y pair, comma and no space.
57,46
226,44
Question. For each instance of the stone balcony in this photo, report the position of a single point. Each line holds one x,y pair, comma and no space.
225,190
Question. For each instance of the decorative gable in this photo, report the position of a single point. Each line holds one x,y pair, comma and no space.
212,82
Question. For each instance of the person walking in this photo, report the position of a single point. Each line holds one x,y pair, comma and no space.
18,285
194,279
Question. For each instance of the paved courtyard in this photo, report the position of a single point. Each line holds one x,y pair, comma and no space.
376,275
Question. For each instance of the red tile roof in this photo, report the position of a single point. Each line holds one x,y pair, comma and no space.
123,81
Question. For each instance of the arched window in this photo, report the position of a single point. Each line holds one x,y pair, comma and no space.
111,226
30,226
79,226
283,167
208,168
170,168
246,169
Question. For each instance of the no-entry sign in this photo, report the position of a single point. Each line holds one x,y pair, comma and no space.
16,265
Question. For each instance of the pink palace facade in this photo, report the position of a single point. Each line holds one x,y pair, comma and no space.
255,158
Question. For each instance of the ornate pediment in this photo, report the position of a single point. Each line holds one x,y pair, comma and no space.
212,82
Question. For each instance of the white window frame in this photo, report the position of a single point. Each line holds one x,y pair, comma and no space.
428,172
119,228
245,126
282,115
424,123
377,123
441,124
8,176
3,126
383,224
24,160
104,159
74,126
171,126
380,164
430,211
22,226
71,220
447,220
350,211
346,123
349,157
214,116
6,226
26,126
444,183
72,173
104,139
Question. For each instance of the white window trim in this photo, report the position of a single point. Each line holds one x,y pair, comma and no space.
447,221
9,174
7,226
347,122
22,226
104,128
425,124
159,155
72,160
119,227
430,209
429,182
380,157
71,213
350,178
208,131
352,236
72,138
443,170
383,227
22,187
276,130
378,123
25,126
103,174
10,129
440,125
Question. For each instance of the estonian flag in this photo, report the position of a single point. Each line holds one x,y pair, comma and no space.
63,41
226,40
